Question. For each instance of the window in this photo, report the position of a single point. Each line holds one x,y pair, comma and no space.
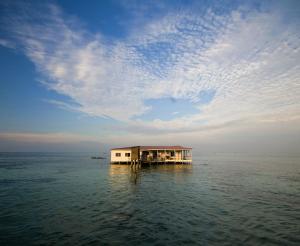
127,154
118,154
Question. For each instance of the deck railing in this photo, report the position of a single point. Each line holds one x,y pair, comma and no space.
150,159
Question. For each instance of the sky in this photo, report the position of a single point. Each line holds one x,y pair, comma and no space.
219,76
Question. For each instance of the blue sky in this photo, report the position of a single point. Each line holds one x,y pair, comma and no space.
109,71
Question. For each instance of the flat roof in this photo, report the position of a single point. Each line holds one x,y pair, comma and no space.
173,147
121,148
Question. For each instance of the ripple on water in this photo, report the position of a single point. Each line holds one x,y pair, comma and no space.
76,201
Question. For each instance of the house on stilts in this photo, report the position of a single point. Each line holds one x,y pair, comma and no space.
138,155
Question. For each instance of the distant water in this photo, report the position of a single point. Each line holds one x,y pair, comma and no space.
70,199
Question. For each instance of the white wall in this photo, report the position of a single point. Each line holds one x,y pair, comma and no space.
122,158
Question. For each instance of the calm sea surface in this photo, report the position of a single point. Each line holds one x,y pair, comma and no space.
70,199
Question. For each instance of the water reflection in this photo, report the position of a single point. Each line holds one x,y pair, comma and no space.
120,173
233,201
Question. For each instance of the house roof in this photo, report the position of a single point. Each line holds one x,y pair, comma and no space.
177,147
121,148
173,147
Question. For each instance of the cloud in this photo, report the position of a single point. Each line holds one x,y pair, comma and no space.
249,58
50,142
45,137
6,43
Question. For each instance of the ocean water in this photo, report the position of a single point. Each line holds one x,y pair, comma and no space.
70,199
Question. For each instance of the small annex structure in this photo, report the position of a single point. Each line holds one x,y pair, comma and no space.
151,155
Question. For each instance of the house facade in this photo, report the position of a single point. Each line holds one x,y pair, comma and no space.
151,154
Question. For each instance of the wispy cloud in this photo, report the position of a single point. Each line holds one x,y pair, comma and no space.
249,58
6,43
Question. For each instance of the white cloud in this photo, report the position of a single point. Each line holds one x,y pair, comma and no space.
6,43
251,59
